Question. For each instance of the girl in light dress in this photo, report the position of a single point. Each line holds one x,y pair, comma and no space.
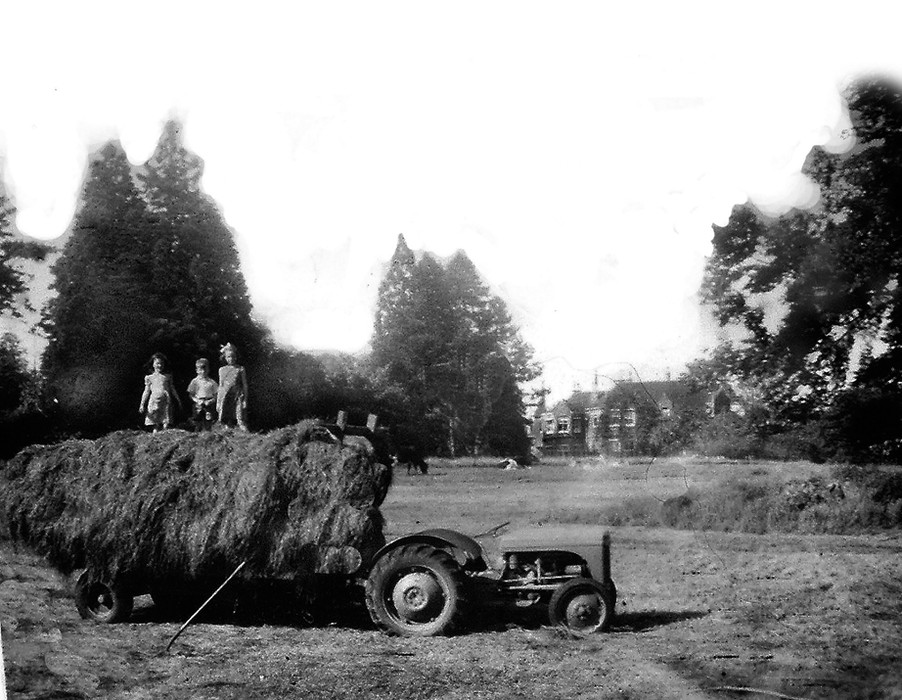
159,399
231,400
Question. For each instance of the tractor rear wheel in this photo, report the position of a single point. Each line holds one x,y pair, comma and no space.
101,601
416,590
582,606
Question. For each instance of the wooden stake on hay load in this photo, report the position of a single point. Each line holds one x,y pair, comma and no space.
493,531
205,603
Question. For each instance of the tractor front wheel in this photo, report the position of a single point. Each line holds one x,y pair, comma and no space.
582,606
416,590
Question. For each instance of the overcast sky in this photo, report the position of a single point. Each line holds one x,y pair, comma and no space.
578,153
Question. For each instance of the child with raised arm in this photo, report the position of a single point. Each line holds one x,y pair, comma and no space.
202,390
159,397
231,400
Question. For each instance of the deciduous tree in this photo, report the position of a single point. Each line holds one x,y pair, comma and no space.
830,275
818,291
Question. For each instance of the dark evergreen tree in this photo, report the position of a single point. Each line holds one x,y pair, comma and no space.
99,321
489,359
13,249
293,386
14,376
197,280
23,418
149,266
451,347
411,343
392,311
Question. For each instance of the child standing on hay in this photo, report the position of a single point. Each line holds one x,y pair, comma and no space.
231,400
159,395
203,390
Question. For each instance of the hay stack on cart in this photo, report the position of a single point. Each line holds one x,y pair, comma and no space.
142,512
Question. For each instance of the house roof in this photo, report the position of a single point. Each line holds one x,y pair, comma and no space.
661,392
581,400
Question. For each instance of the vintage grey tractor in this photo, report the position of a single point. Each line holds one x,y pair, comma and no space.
429,583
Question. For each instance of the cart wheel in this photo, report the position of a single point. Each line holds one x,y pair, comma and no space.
582,606
101,601
416,591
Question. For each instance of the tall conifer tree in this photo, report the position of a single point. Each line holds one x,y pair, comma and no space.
194,260
98,322
449,343
150,265
13,281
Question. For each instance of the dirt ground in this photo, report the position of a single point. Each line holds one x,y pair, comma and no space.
700,614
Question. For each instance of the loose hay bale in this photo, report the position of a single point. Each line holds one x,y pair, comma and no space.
181,506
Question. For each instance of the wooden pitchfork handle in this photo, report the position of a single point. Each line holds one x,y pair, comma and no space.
197,612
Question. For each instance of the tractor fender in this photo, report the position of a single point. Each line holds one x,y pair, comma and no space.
465,550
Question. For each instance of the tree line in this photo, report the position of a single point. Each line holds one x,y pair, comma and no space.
150,265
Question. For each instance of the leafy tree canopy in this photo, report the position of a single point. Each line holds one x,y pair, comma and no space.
830,272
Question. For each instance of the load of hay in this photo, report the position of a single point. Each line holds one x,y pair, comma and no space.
136,507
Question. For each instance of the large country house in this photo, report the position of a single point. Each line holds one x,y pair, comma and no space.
619,420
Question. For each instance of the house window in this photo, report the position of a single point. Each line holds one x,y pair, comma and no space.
577,427
549,426
563,425
630,418
614,445
615,415
615,428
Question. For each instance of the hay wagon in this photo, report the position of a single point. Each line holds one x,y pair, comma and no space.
171,514
433,582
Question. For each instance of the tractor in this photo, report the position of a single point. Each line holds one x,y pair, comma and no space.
428,583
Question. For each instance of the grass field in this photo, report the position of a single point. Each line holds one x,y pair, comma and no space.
472,496
701,613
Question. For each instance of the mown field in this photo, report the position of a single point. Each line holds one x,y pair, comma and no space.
701,613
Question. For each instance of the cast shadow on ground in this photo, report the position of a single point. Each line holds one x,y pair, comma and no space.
505,617
652,619
353,615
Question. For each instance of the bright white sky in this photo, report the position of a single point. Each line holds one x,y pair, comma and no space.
577,152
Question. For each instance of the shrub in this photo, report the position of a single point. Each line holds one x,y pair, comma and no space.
815,505
865,425
727,435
